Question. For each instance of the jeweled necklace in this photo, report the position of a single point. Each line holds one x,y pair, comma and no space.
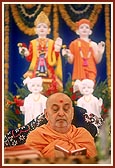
85,59
42,45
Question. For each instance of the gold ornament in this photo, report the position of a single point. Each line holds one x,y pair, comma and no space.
42,18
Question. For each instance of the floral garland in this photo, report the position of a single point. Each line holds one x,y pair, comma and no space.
6,51
55,22
107,34
47,9
66,17
79,11
23,26
93,17
20,24
28,15
23,10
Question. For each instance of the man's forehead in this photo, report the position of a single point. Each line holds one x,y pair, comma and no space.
58,98
61,101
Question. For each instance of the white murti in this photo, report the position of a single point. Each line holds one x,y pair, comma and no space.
88,101
35,102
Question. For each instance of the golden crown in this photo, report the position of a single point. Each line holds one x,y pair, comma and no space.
42,18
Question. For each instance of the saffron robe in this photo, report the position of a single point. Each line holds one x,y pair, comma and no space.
44,139
79,70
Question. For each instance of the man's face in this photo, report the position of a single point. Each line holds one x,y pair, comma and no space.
60,113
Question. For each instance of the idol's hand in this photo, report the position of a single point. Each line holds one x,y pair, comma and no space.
66,52
101,47
23,51
58,44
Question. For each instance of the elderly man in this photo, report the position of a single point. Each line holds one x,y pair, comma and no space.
59,131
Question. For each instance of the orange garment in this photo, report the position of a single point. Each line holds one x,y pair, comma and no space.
79,71
44,138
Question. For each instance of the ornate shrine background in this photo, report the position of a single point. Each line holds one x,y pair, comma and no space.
18,27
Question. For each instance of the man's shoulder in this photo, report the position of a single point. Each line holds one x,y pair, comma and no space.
78,128
82,130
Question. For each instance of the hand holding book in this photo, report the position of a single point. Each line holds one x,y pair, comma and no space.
81,151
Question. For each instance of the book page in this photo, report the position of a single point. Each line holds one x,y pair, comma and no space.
81,151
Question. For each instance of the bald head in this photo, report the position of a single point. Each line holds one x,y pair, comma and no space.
59,112
59,97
